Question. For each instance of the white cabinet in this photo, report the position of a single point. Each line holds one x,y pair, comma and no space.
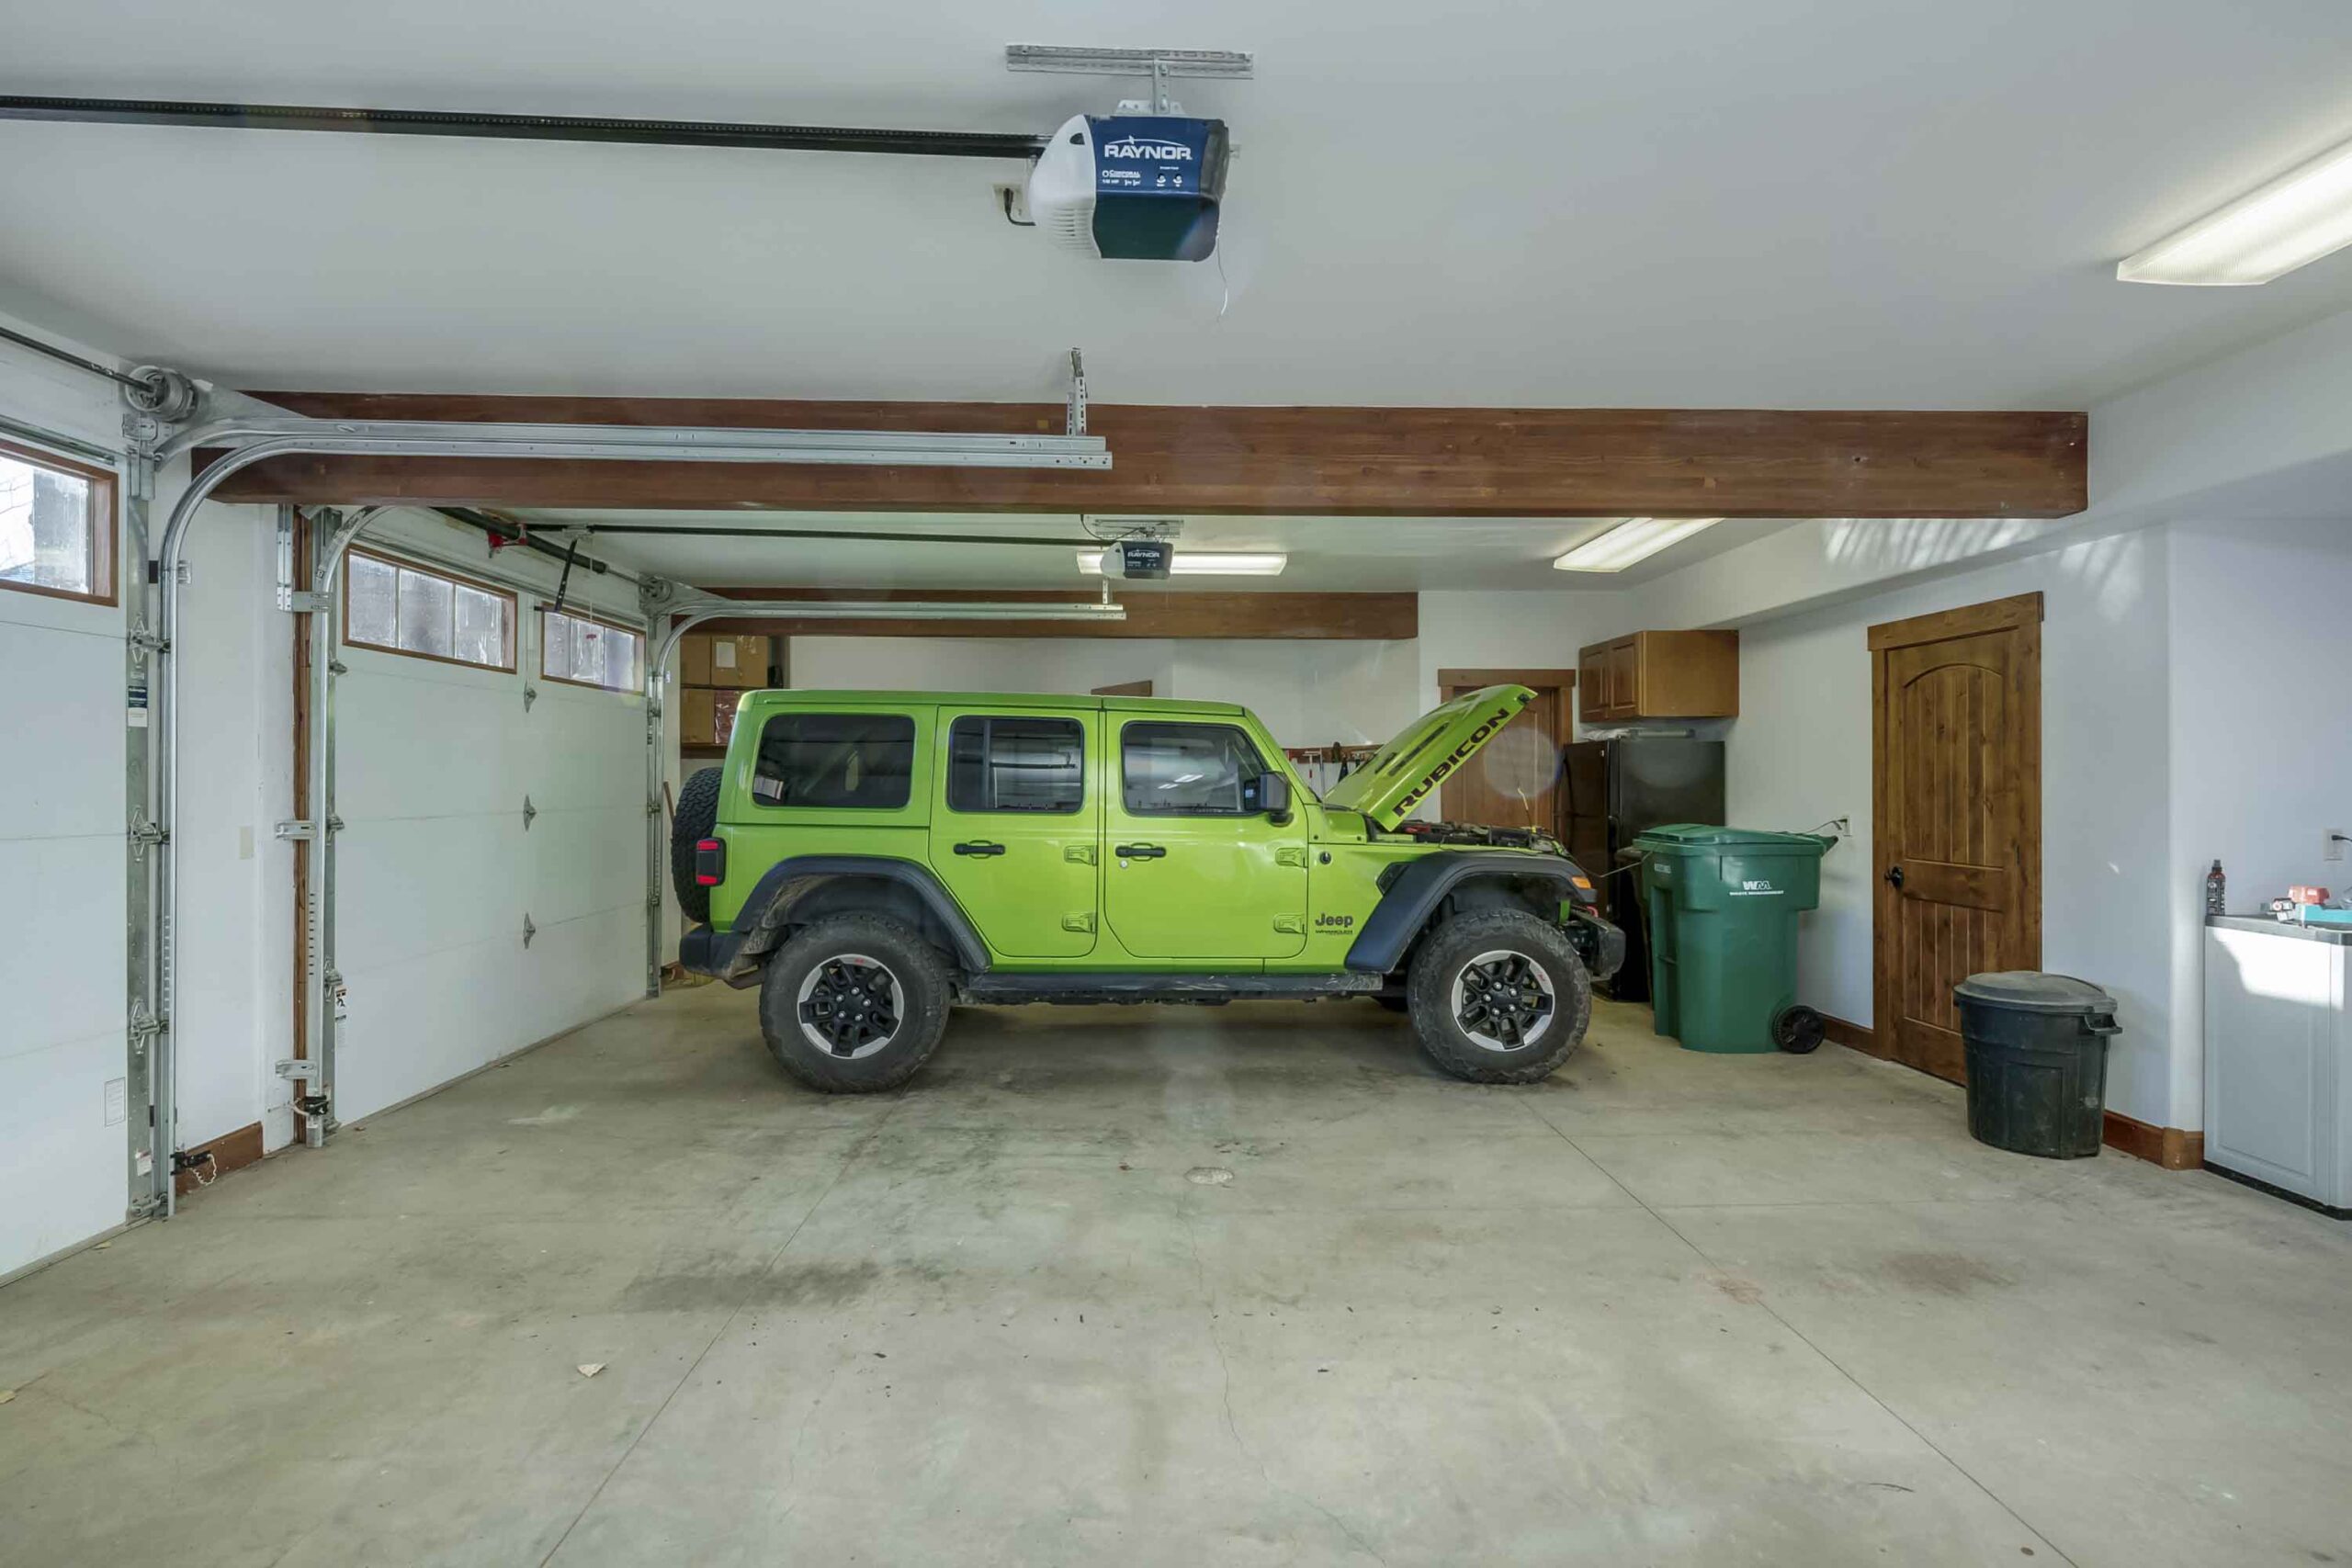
2278,1058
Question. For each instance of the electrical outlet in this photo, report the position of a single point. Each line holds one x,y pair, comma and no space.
2331,843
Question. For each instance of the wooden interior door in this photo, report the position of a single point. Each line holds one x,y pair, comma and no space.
1956,788
1514,780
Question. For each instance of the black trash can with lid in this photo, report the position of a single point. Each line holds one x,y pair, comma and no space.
2037,1061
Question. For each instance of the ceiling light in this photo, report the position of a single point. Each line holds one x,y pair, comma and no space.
1200,563
2290,222
1634,539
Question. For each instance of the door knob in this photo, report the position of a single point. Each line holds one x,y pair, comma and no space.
1894,876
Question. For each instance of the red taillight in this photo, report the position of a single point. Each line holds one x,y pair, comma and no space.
710,863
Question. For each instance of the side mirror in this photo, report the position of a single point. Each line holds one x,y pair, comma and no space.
1274,794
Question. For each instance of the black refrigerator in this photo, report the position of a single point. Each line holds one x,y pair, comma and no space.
1618,789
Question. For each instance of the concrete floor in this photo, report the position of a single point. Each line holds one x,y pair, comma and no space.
1167,1286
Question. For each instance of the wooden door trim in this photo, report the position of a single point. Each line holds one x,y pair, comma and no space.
1969,620
2022,615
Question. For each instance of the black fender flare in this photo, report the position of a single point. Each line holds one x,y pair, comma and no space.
1420,885
789,889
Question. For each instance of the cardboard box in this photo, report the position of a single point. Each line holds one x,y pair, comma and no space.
740,663
693,660
698,718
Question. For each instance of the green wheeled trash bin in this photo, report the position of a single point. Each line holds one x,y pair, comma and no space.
2037,1061
1722,906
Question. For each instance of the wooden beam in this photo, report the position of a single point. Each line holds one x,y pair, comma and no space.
1151,613
1368,462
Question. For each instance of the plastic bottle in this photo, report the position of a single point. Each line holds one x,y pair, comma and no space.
2216,887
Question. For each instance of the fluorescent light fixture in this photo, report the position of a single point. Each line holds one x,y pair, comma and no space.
2290,222
1199,563
1634,539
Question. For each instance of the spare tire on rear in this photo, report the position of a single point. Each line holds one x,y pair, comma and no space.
697,814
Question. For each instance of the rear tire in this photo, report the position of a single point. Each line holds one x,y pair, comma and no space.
1499,996
854,1004
697,814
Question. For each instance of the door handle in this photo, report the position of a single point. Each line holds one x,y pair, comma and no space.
1139,851
1894,876
979,848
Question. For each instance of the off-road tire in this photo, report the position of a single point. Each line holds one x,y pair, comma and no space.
1448,952
696,815
919,970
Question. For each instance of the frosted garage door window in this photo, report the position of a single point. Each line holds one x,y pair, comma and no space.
586,653
56,526
399,608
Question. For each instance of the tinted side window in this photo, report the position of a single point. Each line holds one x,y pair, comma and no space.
858,759
1189,770
1006,763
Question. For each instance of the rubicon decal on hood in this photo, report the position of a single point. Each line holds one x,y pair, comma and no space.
1427,751
1453,759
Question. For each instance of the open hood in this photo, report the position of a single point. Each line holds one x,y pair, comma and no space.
1408,769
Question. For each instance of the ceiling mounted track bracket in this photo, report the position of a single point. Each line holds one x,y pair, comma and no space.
1077,413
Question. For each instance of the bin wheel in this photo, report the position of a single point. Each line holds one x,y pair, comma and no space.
1797,1030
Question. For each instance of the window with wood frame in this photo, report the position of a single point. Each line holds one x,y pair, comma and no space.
580,650
396,606
57,530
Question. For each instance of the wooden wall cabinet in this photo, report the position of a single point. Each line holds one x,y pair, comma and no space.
1659,675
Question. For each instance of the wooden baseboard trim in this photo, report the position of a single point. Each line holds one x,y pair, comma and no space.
2175,1148
1856,1036
229,1151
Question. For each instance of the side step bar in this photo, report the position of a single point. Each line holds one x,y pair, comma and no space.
1209,991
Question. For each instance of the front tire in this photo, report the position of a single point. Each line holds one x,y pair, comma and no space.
854,1004
1500,997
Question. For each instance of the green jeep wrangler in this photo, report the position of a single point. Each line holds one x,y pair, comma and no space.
868,858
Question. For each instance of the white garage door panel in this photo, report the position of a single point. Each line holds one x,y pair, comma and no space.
435,870
61,1163
583,969
586,862
415,1024
588,748
411,747
412,886
65,729
62,963
62,1176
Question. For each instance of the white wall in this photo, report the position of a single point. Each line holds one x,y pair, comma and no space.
2261,748
1800,753
437,872
233,1013
63,1174
1307,692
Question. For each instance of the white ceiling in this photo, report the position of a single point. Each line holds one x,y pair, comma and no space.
1845,203
1335,554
